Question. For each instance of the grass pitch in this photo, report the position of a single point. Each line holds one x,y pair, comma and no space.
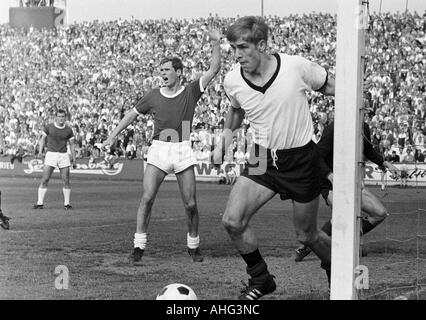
95,238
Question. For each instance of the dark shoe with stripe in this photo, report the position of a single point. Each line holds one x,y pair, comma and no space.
258,287
67,207
38,206
196,255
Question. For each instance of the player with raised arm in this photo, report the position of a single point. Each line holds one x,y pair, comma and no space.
270,89
56,135
173,109
370,204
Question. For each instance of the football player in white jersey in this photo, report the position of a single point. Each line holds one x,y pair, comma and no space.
270,89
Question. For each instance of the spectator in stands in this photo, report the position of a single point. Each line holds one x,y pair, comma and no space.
376,139
394,157
19,154
388,156
130,151
419,157
240,155
408,157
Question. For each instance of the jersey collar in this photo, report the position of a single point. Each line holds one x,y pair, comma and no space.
54,123
269,83
172,95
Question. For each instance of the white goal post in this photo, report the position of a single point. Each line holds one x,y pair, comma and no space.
351,24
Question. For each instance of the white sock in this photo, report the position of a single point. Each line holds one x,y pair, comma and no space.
41,194
140,240
192,243
67,194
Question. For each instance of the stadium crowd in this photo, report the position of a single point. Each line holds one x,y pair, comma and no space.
98,70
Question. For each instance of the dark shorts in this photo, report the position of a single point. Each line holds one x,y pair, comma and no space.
297,176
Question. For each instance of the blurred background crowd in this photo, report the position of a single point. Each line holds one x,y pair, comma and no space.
98,70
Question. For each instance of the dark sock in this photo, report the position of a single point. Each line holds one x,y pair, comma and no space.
259,270
252,258
366,226
256,266
327,227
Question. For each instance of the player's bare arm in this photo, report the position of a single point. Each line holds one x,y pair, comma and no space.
124,123
329,88
41,144
233,120
214,36
72,149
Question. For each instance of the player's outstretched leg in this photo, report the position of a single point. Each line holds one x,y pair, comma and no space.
375,211
42,189
186,182
305,222
304,251
151,182
245,199
66,190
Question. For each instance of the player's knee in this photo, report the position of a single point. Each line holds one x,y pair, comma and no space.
307,238
147,201
190,205
232,225
381,214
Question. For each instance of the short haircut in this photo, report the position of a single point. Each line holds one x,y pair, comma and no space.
251,29
61,111
176,62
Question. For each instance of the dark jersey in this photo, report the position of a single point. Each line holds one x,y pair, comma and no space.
171,114
57,138
325,146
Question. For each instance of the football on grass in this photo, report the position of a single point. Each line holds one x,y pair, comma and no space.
176,291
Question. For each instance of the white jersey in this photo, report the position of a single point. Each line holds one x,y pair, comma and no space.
278,112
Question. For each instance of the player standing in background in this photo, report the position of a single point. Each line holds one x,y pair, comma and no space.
271,90
173,108
57,134
4,220
370,204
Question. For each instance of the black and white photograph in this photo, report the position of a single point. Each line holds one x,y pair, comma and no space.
225,152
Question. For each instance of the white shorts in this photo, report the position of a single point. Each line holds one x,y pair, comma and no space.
171,156
57,159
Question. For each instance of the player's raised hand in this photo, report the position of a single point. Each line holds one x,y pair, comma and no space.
214,33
